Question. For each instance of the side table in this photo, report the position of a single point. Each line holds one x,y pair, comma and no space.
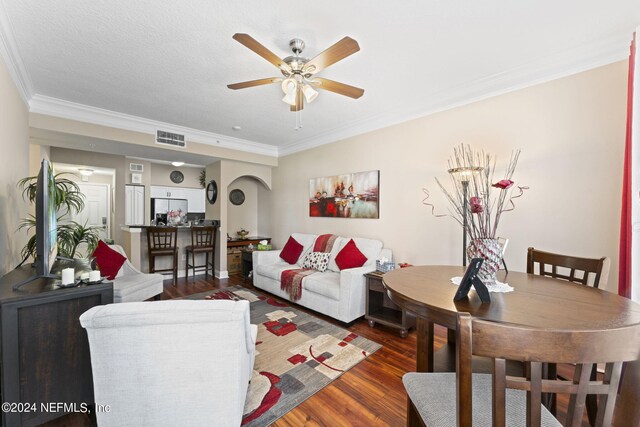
379,308
247,262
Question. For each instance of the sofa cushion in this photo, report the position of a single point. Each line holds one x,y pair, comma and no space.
326,284
350,256
272,271
109,261
316,260
370,248
291,251
306,240
124,287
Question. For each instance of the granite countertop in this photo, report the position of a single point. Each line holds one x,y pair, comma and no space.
179,227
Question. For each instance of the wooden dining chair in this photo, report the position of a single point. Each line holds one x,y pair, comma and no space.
203,241
441,399
586,271
162,242
571,268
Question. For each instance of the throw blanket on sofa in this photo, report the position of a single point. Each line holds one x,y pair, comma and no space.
291,280
324,243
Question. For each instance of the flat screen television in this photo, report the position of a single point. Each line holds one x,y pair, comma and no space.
46,225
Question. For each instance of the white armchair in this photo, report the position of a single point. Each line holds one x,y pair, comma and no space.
171,363
132,285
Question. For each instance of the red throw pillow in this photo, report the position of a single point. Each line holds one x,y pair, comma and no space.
108,260
291,251
350,256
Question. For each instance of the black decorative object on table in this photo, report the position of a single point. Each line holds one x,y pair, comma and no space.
471,278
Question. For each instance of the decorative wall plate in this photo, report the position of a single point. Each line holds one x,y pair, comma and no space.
236,197
176,176
212,192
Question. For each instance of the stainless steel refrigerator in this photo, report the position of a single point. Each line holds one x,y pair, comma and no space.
169,210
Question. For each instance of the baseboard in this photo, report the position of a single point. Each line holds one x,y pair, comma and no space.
222,274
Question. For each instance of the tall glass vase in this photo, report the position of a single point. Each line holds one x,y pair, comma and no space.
491,251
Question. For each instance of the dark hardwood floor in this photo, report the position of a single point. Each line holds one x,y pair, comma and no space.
370,394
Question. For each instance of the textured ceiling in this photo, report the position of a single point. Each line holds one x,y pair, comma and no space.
170,61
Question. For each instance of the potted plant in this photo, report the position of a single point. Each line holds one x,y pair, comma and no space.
67,199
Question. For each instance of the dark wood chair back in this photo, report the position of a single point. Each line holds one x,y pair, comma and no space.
502,342
579,269
203,236
162,239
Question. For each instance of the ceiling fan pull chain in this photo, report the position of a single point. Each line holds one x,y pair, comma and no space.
298,116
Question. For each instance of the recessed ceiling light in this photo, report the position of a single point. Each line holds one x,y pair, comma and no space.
236,128
177,164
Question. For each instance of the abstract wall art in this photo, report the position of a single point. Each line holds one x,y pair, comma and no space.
352,195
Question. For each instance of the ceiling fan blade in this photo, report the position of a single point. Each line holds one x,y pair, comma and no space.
336,87
252,83
345,47
299,100
255,46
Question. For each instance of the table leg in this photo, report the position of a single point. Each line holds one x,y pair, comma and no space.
424,343
627,409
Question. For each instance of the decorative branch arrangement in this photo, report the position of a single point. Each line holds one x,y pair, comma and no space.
471,174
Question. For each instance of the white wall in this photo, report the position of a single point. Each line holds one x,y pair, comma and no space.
571,132
225,172
244,215
14,145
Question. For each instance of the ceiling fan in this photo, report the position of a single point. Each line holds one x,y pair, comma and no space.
299,82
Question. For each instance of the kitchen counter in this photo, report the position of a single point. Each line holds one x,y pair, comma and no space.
135,245
179,227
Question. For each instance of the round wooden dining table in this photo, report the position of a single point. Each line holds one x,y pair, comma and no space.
537,302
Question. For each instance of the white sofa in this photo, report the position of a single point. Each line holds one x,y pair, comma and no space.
171,363
338,294
132,285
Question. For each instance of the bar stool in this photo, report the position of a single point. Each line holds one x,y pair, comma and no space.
161,241
203,240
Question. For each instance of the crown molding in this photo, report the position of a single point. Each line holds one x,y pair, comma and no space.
12,59
587,56
71,110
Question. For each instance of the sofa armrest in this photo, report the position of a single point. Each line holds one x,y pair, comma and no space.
266,257
127,268
352,292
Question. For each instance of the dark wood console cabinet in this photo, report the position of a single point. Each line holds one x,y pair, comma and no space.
380,309
45,352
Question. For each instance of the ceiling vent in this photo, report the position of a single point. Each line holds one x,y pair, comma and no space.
168,138
136,167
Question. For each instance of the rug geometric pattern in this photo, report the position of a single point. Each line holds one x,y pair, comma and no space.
297,355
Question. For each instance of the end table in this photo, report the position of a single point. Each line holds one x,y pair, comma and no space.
247,262
380,309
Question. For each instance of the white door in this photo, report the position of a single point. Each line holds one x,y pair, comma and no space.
96,208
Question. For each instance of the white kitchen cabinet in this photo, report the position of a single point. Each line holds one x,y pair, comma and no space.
168,192
195,196
134,205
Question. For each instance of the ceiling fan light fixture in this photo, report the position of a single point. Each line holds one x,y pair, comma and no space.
289,87
309,93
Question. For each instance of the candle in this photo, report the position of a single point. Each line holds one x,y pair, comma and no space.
94,276
68,276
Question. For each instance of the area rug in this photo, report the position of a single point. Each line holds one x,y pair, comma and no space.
297,355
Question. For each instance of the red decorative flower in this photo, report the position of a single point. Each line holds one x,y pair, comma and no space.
476,205
503,184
